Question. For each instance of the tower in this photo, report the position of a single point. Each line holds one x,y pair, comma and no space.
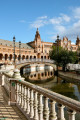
38,47
78,41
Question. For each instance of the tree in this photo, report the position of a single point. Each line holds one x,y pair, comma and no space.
62,56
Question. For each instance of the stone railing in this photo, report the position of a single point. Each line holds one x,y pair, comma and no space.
40,104
35,60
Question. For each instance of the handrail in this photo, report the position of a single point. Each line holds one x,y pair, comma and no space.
39,103
52,95
35,60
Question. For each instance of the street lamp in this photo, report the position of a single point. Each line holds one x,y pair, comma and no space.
14,48
71,48
57,44
19,50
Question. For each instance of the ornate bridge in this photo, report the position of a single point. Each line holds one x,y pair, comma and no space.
23,63
37,103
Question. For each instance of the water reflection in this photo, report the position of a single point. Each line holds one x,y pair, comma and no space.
38,72
53,83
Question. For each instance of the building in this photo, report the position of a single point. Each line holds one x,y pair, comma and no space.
34,49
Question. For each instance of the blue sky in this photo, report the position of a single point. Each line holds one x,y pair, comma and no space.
22,17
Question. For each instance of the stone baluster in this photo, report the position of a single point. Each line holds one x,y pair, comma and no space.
19,94
22,92
52,110
71,114
61,112
25,93
35,106
46,109
31,104
40,107
28,98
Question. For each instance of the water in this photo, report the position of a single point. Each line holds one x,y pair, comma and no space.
43,75
46,79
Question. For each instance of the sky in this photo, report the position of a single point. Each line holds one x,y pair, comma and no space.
21,18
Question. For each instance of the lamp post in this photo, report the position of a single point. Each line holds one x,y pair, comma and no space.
19,50
57,42
71,48
14,48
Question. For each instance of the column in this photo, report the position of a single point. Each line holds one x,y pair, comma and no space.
31,104
40,109
71,114
46,109
61,112
53,110
25,104
28,102
35,106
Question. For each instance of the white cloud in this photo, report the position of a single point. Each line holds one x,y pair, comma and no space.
65,17
43,17
55,20
22,21
39,22
60,28
72,43
77,24
76,12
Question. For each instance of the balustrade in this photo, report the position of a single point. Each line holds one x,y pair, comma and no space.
41,104
34,60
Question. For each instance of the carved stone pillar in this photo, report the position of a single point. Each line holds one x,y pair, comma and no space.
22,95
40,107
71,114
35,106
31,104
46,109
19,94
25,104
61,112
53,110
28,102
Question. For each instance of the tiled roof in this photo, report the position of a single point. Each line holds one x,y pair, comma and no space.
10,43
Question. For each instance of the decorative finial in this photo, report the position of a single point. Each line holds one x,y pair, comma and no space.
78,36
57,36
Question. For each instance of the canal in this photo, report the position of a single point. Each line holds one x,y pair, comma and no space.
44,76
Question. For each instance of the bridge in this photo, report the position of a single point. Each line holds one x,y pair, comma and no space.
36,103
25,62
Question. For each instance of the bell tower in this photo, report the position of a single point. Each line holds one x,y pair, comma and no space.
38,47
78,41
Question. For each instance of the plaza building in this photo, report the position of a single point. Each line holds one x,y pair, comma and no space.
34,49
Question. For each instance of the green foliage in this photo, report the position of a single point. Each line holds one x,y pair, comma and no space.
65,89
62,56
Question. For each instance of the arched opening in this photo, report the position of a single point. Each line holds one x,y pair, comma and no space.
44,57
27,57
30,57
15,57
41,57
45,74
51,73
6,56
1,56
42,74
18,57
23,57
34,57
10,57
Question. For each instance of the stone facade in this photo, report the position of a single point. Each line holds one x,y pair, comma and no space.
34,49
